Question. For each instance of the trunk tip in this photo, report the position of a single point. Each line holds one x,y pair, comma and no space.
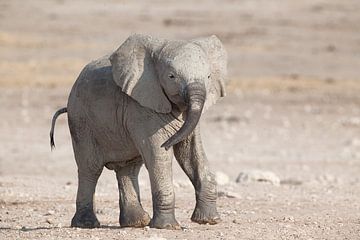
167,145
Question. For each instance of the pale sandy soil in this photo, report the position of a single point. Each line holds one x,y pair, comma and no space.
293,108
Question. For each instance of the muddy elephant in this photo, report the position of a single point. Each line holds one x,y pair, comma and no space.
142,104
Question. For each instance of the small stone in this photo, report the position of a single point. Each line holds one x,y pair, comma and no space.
49,221
155,237
236,221
99,211
331,48
258,176
327,179
228,194
185,229
350,122
222,178
291,181
147,228
182,184
289,219
50,212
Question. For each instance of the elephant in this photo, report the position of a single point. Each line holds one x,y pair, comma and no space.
141,105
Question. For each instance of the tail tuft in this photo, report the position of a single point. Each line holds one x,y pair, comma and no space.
52,143
58,112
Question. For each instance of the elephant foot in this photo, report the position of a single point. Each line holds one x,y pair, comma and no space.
134,217
165,221
85,219
205,214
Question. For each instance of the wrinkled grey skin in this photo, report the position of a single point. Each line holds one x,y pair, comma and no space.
142,105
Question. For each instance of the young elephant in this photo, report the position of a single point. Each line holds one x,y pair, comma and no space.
142,105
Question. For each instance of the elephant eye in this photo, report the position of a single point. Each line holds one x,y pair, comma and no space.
171,76
209,76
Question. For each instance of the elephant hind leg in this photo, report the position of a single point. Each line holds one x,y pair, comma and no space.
90,166
85,216
132,213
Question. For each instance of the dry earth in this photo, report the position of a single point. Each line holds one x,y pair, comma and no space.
293,108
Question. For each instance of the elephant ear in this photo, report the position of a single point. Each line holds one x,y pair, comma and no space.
218,63
134,72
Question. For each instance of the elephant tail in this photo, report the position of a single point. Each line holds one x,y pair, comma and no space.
58,113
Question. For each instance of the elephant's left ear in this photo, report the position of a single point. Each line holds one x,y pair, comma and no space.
218,61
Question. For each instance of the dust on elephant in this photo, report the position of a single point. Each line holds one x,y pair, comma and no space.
141,105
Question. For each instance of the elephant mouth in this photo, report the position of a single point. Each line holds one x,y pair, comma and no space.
195,95
179,102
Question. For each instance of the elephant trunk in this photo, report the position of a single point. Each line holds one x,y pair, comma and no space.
195,95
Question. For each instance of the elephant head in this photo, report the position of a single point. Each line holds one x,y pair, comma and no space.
165,74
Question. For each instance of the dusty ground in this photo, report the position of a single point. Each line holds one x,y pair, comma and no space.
293,108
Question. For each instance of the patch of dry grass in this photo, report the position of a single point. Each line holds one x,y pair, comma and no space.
293,84
57,72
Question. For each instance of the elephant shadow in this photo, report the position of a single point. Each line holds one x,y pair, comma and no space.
30,229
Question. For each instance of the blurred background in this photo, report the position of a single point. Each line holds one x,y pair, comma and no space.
315,41
293,108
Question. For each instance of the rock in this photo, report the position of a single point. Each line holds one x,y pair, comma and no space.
186,229
236,221
182,184
289,219
99,211
258,176
350,122
49,213
222,178
291,181
327,179
155,237
228,194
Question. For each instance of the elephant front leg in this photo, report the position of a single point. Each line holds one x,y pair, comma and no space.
192,159
159,164
132,213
